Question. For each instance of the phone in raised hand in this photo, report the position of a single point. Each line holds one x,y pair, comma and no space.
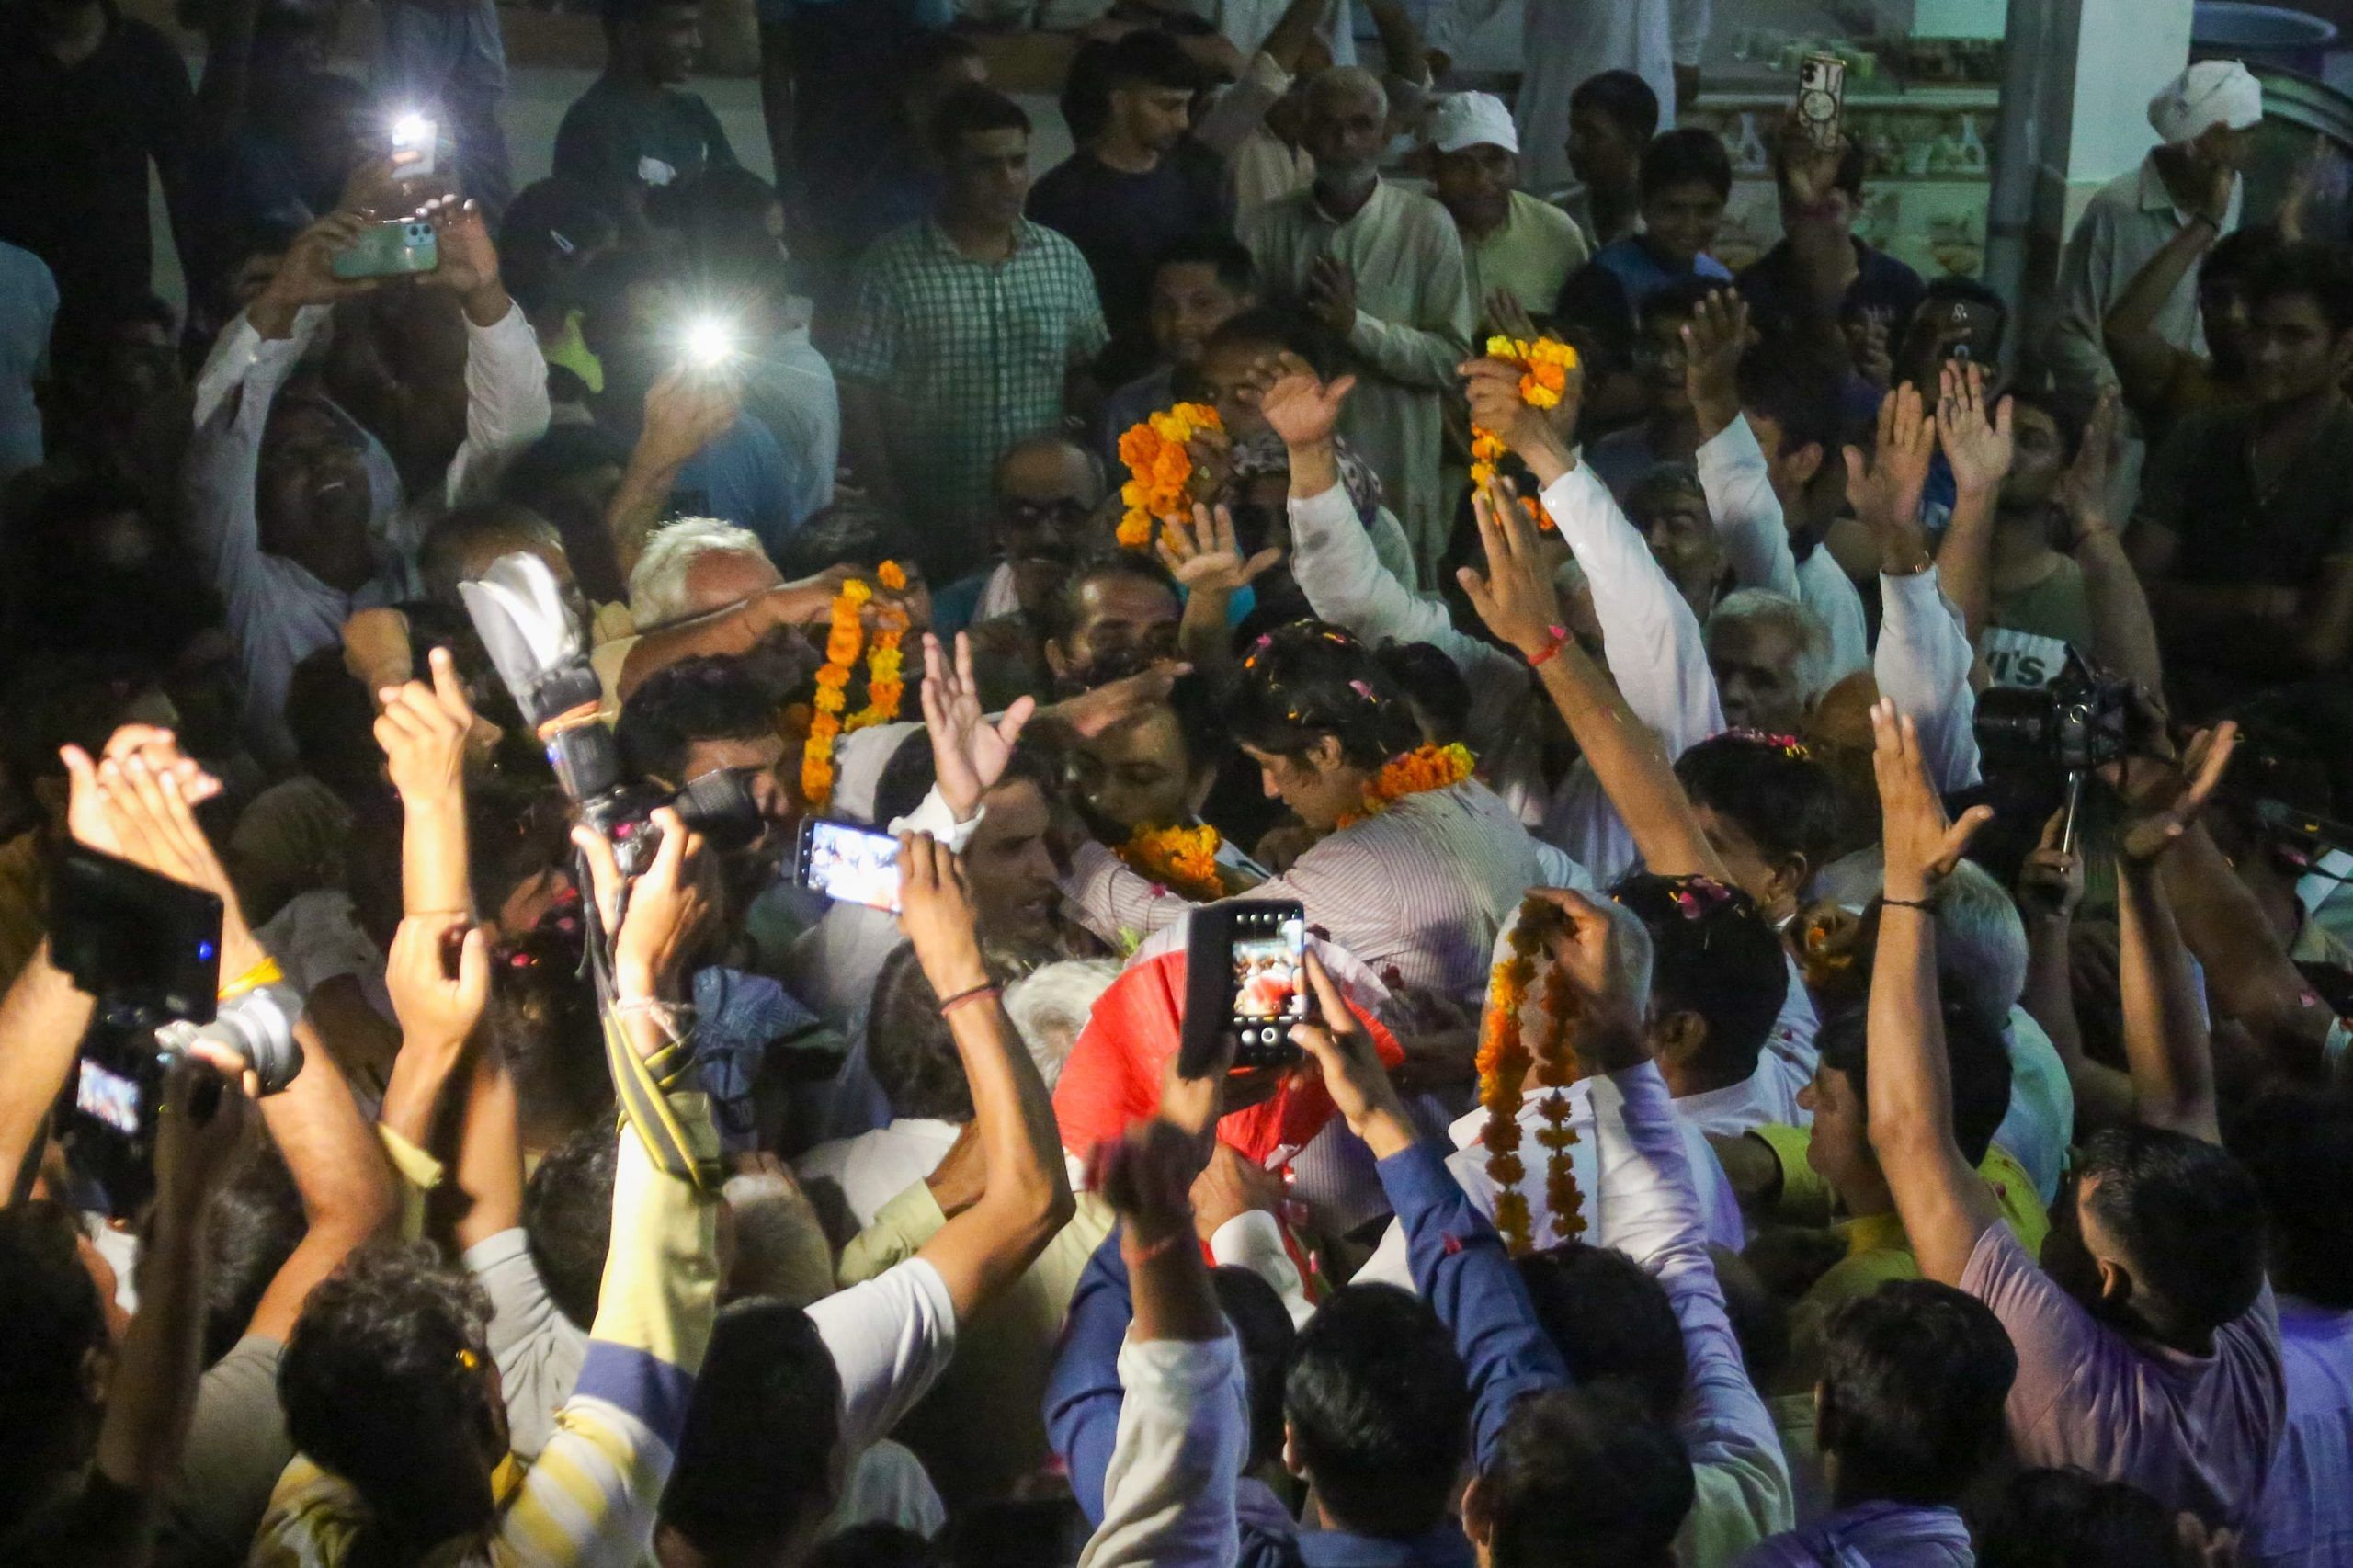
849,863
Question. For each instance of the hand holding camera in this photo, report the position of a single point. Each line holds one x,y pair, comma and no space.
936,914
655,917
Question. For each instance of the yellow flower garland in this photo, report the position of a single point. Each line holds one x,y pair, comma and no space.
1544,369
1503,1063
1160,469
1416,772
884,686
842,643
1182,859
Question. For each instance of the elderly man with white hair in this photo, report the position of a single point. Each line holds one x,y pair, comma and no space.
1512,243
1383,268
2205,119
702,586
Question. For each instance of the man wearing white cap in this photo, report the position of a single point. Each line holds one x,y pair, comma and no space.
1512,243
1563,42
2207,118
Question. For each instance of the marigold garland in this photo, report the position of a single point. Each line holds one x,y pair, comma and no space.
1160,469
1182,859
1544,367
884,686
843,641
1416,772
1504,1061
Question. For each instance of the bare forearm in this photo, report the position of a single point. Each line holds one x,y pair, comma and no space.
2103,1095
2249,977
2134,316
1170,1287
150,1402
433,857
42,1019
1631,767
1944,1205
2124,636
337,1164
490,1154
636,508
1965,558
1019,1133
2165,1029
1203,635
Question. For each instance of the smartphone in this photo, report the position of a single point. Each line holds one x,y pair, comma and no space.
853,864
415,133
1822,100
403,248
142,943
1245,982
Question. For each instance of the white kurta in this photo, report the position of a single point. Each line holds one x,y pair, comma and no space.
1566,41
1413,331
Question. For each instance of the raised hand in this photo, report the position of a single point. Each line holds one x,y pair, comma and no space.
469,258
1886,494
1923,844
437,1005
199,1133
1352,1069
1714,340
1515,599
1493,389
935,915
2164,810
1207,558
1604,954
1147,1177
968,750
1212,451
2084,489
1867,332
666,906
686,410
87,816
422,730
1301,408
305,276
2051,883
1979,448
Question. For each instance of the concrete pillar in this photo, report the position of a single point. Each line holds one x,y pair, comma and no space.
2077,77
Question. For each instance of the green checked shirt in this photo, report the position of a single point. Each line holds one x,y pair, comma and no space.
969,357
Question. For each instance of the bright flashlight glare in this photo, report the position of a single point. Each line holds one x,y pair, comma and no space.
709,341
411,130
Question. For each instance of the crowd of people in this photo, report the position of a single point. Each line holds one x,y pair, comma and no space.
1815,823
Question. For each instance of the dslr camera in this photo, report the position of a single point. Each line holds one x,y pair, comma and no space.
148,949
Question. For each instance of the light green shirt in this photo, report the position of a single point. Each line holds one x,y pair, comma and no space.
1530,257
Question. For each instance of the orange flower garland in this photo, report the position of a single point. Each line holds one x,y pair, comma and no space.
1160,469
884,687
1544,367
1503,1063
1418,771
842,645
1182,859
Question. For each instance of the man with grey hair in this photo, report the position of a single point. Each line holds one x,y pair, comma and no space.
703,586
1770,656
1383,268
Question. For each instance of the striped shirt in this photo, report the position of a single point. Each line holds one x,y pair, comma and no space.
590,1497
1417,892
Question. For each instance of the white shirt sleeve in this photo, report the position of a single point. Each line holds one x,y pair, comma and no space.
1739,486
1650,635
224,453
1922,666
934,817
1646,1181
1336,564
891,1337
507,403
1168,1494
1451,22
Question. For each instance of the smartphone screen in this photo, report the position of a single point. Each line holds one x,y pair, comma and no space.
855,865
1270,968
107,1097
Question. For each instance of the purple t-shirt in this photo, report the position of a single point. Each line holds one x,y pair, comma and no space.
2306,1518
2196,1432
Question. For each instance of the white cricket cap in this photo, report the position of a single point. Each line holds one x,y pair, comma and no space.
1472,120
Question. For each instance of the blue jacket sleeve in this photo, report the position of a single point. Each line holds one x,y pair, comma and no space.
1461,1270
1084,1393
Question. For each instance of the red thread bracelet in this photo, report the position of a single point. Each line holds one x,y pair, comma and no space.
1552,649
